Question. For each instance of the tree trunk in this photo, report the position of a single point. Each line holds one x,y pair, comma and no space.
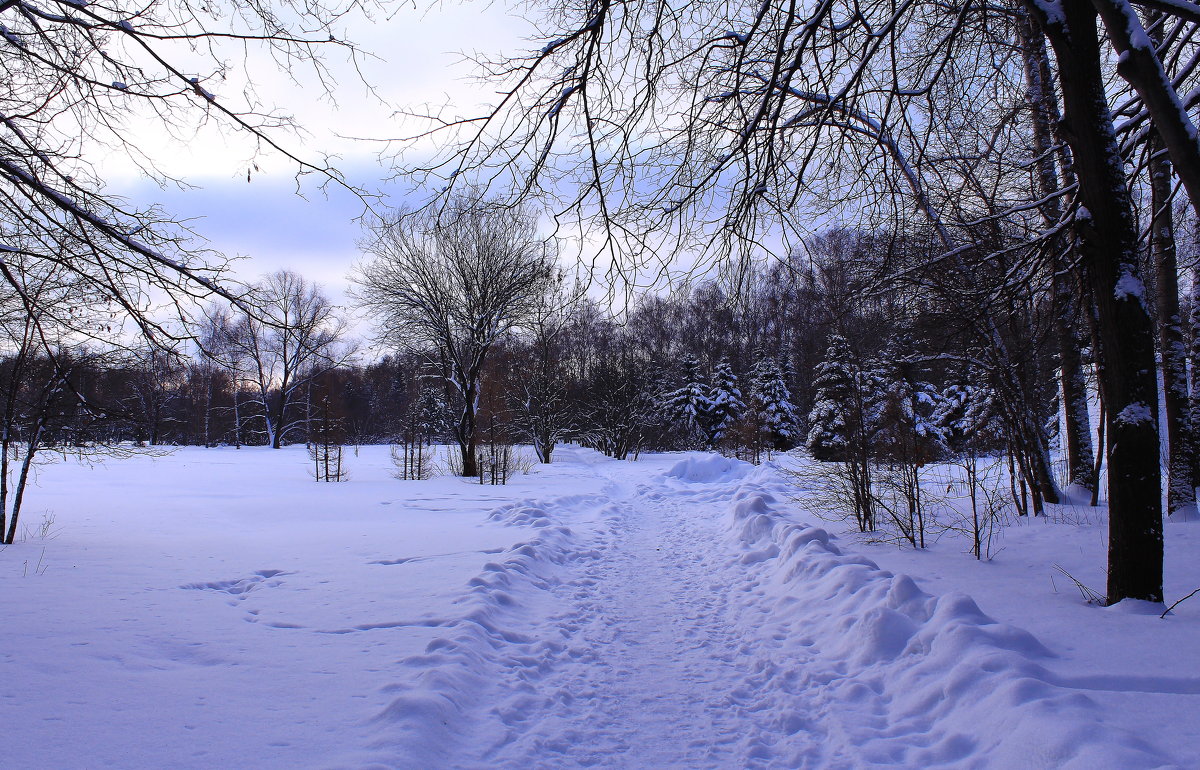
208,406
22,480
7,437
468,439
1024,430
1194,355
1108,236
5,442
1044,113
31,448
1077,425
1181,495
155,417
237,416
274,417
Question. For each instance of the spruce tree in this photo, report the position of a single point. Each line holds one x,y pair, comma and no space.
908,430
966,416
689,404
725,402
829,421
842,426
773,403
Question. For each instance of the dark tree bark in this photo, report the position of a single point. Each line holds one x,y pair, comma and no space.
1108,239
1194,356
468,432
1181,495
1044,115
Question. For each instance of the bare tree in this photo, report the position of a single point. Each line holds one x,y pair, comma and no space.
295,336
455,281
154,383
540,400
219,342
37,394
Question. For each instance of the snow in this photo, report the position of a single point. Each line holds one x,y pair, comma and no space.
1129,286
218,608
705,468
1136,413
1052,10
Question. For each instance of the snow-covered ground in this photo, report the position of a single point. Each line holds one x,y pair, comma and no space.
218,609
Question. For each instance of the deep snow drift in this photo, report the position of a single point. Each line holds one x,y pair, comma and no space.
217,608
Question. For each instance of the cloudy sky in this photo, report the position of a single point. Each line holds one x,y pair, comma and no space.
418,59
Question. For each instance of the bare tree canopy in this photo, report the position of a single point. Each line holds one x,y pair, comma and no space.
82,78
299,337
455,281
720,126
458,278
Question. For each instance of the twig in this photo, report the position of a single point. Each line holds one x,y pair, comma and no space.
1089,596
1181,601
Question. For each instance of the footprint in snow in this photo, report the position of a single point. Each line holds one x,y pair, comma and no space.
238,588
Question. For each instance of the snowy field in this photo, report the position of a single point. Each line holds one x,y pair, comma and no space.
219,609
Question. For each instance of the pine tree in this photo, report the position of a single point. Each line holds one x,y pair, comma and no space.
433,414
773,403
969,421
966,416
689,404
842,426
725,402
908,437
907,424
834,402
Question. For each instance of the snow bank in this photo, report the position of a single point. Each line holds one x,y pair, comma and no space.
919,680
708,469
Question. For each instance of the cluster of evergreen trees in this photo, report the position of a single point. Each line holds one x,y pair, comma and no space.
711,411
883,409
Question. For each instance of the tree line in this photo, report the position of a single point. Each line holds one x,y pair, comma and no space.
1015,169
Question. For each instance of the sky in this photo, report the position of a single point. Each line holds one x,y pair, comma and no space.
417,58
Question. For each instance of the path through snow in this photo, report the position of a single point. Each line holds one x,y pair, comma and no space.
649,626
686,621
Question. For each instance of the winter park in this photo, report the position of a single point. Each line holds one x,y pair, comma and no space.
675,384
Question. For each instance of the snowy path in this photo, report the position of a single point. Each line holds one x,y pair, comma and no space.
650,625
679,619
663,668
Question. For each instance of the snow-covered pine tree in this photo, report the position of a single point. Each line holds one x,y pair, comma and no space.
833,402
908,437
772,401
433,413
786,369
842,427
907,424
966,416
968,419
689,405
725,402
